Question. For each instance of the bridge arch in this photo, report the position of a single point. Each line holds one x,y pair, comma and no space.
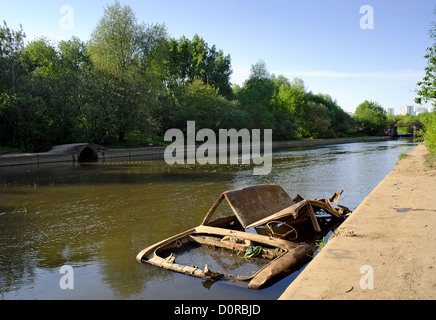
81,152
393,128
88,154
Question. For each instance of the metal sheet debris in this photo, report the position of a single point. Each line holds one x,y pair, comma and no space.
275,242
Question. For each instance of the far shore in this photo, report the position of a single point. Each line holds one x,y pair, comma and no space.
72,152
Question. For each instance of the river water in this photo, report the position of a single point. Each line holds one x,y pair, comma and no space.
97,217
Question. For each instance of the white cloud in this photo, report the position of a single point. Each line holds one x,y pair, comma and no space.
241,74
376,75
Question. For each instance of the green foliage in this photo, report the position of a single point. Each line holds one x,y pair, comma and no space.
10,150
320,244
430,131
115,44
201,103
392,120
427,86
256,98
370,118
11,45
427,92
417,120
402,156
190,60
121,50
131,82
291,99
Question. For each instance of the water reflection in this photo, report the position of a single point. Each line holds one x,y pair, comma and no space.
97,217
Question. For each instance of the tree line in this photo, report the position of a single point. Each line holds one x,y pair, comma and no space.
131,82
426,91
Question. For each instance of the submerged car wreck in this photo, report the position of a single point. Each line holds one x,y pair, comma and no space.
264,229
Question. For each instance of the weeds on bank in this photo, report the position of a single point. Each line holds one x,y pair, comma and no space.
430,160
402,156
7,150
320,244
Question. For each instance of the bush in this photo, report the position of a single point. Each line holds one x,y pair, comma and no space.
430,132
370,118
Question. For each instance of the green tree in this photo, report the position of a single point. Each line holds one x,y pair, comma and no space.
256,96
370,118
122,50
24,124
75,62
190,60
427,92
319,120
201,103
107,120
56,77
292,97
427,86
11,47
24,111
13,109
429,122
233,116
285,127
339,121
259,71
40,97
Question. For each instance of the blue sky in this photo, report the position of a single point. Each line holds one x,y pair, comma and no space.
318,41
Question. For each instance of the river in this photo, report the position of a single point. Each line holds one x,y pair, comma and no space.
96,217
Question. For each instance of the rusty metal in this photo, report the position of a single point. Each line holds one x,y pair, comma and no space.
266,206
257,205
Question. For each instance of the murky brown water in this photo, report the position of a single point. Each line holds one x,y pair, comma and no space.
97,217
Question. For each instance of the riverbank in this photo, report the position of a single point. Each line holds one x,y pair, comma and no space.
73,152
386,248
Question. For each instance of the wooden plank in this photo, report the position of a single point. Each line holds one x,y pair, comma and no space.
313,218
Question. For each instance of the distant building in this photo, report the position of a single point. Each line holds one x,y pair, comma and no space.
407,110
389,111
419,110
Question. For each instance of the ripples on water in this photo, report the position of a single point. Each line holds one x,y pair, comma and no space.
97,217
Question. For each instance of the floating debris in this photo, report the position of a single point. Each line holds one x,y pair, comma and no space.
255,257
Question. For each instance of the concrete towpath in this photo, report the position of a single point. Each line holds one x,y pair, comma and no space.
387,248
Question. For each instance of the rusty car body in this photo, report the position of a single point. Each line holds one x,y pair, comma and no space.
270,211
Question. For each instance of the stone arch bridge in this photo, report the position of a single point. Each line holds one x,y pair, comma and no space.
81,152
393,128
